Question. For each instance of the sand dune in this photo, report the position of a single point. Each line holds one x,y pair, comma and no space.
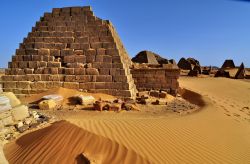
207,136
63,143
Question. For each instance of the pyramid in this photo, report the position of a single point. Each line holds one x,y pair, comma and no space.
241,72
145,57
71,48
228,64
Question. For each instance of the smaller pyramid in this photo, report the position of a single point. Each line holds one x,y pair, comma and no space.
241,72
228,64
145,57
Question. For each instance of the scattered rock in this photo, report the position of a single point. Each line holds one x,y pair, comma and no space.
23,128
85,100
14,101
154,93
20,112
129,107
162,94
47,104
4,103
55,97
115,107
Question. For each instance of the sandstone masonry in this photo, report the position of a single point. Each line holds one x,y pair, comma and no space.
71,48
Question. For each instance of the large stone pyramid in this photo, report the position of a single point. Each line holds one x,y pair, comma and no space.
71,48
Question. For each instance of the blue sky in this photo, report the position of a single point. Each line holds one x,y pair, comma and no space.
209,30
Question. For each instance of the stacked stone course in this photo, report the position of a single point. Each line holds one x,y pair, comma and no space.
71,48
157,79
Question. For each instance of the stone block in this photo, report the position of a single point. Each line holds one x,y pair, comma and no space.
7,121
99,58
75,65
92,71
7,78
53,78
90,58
23,84
79,71
69,71
69,59
20,113
78,52
84,46
38,85
103,78
120,78
47,104
54,71
71,85
96,45
43,52
38,71
70,78
32,77
80,58
107,59
82,40
108,45
116,59
112,52
31,52
54,64
83,78
28,71
20,52
37,58
101,51
60,46
90,52
53,84
104,71
75,46
66,52
27,58
107,39
94,39
9,84
100,85
55,52
14,101
87,86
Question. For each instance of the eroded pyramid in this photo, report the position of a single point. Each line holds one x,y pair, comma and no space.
71,48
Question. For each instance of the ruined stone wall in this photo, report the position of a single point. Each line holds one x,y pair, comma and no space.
156,79
71,48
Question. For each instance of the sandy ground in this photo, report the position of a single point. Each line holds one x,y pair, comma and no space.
219,133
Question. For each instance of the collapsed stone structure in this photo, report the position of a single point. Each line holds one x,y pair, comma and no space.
151,58
190,64
71,48
229,70
148,76
145,57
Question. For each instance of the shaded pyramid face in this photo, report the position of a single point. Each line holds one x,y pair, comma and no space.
71,48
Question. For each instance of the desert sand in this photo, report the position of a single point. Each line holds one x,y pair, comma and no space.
218,133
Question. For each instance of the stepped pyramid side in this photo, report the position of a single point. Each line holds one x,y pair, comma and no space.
71,48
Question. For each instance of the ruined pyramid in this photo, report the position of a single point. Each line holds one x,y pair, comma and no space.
71,48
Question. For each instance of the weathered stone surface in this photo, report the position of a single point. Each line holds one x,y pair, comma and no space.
14,101
47,104
62,48
20,112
